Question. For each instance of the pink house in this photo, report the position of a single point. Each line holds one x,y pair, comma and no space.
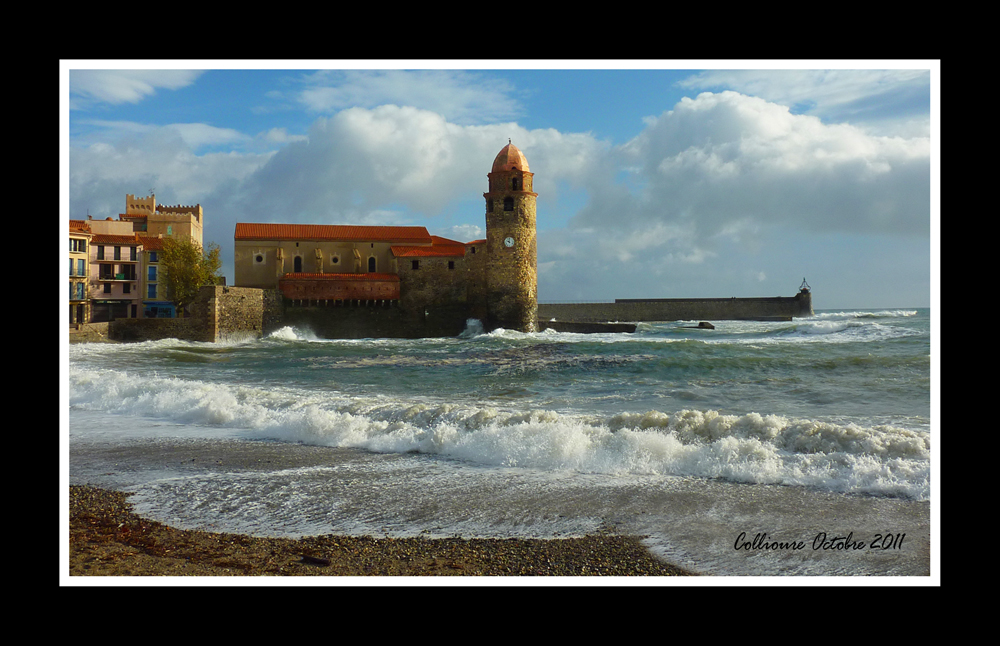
115,278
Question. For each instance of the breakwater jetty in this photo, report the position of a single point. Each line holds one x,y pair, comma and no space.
777,308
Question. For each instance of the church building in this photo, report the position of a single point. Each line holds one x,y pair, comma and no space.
494,279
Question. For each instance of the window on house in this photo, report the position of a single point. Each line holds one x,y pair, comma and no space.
71,266
415,264
451,264
151,291
107,288
170,229
132,253
81,267
508,204
118,253
153,257
80,287
152,274
127,288
100,252
371,264
298,262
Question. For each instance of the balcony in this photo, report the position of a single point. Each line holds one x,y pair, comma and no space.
126,272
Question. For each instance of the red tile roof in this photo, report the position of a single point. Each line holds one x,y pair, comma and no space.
108,238
79,226
477,242
440,240
434,251
149,243
331,232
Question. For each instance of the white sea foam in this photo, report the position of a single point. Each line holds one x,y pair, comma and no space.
744,448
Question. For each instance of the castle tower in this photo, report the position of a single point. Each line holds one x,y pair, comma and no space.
511,248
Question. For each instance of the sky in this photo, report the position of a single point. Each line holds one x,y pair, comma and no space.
655,179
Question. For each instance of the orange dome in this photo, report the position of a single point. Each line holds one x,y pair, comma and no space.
510,158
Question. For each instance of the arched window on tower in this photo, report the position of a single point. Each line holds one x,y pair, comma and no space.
371,264
508,204
515,184
298,264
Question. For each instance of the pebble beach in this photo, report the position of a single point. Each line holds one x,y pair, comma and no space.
107,539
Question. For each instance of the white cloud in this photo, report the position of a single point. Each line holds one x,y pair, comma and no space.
464,232
193,135
461,97
141,158
90,87
724,158
280,136
377,158
885,101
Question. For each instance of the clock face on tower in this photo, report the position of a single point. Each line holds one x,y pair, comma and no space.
508,241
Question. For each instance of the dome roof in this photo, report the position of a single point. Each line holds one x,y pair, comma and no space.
509,158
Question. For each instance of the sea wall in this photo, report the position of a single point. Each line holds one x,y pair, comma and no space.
234,313
220,313
682,309
364,322
88,333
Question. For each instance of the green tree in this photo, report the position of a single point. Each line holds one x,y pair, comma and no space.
186,268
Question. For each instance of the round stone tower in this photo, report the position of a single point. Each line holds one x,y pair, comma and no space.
511,248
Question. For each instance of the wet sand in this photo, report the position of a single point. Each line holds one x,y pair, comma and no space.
108,539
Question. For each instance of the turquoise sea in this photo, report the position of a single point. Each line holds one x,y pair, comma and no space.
723,447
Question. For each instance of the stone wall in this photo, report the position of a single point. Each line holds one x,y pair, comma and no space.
220,314
133,330
233,313
361,322
437,281
88,333
682,309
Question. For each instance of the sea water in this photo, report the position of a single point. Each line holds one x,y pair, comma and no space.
756,448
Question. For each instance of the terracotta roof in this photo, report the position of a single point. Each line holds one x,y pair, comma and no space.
483,241
440,240
79,226
150,243
369,276
510,157
107,238
331,232
434,251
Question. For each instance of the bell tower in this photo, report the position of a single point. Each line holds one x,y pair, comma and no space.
511,248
